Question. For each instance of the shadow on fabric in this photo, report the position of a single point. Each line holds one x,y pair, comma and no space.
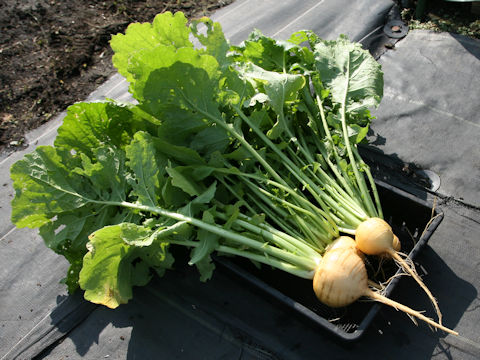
470,45
454,296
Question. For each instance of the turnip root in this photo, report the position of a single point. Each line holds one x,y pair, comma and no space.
374,236
348,242
341,279
341,242
397,246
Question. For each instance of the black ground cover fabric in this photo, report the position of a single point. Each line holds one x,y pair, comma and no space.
429,115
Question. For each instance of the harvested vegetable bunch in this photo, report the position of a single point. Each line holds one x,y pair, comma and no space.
346,82
247,151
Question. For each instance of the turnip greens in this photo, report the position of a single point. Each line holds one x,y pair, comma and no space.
246,150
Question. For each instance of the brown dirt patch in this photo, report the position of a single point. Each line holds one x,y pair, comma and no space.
54,53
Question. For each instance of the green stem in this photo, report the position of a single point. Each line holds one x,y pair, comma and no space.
229,188
258,198
360,179
244,143
281,240
332,144
325,178
321,217
314,226
222,232
311,109
287,237
339,172
371,181
278,264
297,209
299,197
310,236
343,179
281,221
334,191
319,195
347,230
323,199
287,267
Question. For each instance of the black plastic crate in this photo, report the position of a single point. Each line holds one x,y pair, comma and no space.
409,219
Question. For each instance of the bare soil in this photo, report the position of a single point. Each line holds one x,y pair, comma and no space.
55,52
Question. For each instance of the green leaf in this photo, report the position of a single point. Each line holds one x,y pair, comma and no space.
258,219
107,173
110,269
302,36
178,153
357,133
199,203
173,196
155,69
351,73
90,125
210,140
68,234
208,243
334,121
263,51
236,90
178,126
238,154
205,267
157,257
280,88
181,179
189,83
45,186
214,40
268,53
147,169
233,211
69,242
166,29
171,29
58,192
201,255
107,274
